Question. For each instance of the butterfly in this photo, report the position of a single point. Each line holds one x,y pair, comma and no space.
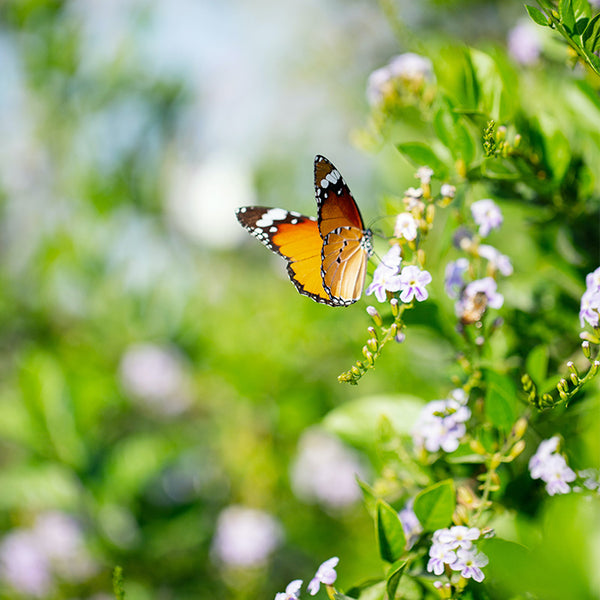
327,256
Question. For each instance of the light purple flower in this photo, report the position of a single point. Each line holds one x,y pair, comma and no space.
589,311
458,536
325,574
453,279
405,226
448,191
292,591
499,261
487,215
441,425
416,193
592,280
245,537
524,43
412,283
410,524
386,276
549,466
469,563
487,286
411,66
424,174
440,555
379,85
459,396
537,461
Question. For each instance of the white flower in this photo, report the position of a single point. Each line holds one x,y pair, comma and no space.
325,574
448,191
457,536
441,425
424,174
292,591
549,466
499,261
386,278
440,555
469,563
405,227
245,537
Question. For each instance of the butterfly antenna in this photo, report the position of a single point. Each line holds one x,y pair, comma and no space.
379,232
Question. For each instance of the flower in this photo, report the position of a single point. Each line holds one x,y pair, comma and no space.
412,282
325,471
592,280
524,43
386,276
405,227
453,278
441,425
415,193
245,537
476,297
497,260
325,574
457,536
440,555
424,174
549,466
447,190
410,524
469,563
487,215
589,311
292,591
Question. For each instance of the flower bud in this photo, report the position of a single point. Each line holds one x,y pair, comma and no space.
372,344
372,311
461,515
372,331
394,306
477,447
519,428
516,449
465,496
399,337
585,347
495,462
355,370
430,214
594,368
517,141
526,382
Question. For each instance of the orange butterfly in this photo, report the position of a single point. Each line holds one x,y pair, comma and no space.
327,256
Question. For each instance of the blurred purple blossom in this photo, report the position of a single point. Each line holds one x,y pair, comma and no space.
487,215
497,260
524,43
325,574
453,278
292,591
405,226
441,425
551,467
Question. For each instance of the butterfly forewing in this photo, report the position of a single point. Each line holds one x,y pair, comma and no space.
296,238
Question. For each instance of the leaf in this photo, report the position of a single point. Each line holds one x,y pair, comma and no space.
500,400
567,15
368,496
450,129
536,364
390,534
581,10
499,168
393,577
537,15
591,35
422,156
435,505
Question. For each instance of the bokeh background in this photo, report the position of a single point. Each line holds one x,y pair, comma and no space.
160,377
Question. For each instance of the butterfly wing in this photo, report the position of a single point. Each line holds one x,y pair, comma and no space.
346,244
296,238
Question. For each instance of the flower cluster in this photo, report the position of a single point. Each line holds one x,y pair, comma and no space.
325,575
441,423
590,301
406,71
474,297
551,467
454,548
411,282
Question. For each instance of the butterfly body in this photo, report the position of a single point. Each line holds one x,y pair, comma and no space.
327,256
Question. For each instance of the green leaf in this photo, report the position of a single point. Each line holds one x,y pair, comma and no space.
536,364
393,577
368,496
422,156
452,132
434,505
591,35
500,400
537,15
567,15
339,596
499,168
581,9
390,534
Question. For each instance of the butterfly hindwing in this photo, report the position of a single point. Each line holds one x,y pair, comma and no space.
295,237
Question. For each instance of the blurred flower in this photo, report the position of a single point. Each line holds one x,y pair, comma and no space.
439,556
325,574
462,239
448,191
524,43
412,283
292,591
154,375
591,479
499,261
424,174
405,226
410,524
441,425
469,563
476,297
458,536
487,215
415,193
23,564
590,301
325,471
386,276
245,537
203,197
459,396
549,466
453,278
409,69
